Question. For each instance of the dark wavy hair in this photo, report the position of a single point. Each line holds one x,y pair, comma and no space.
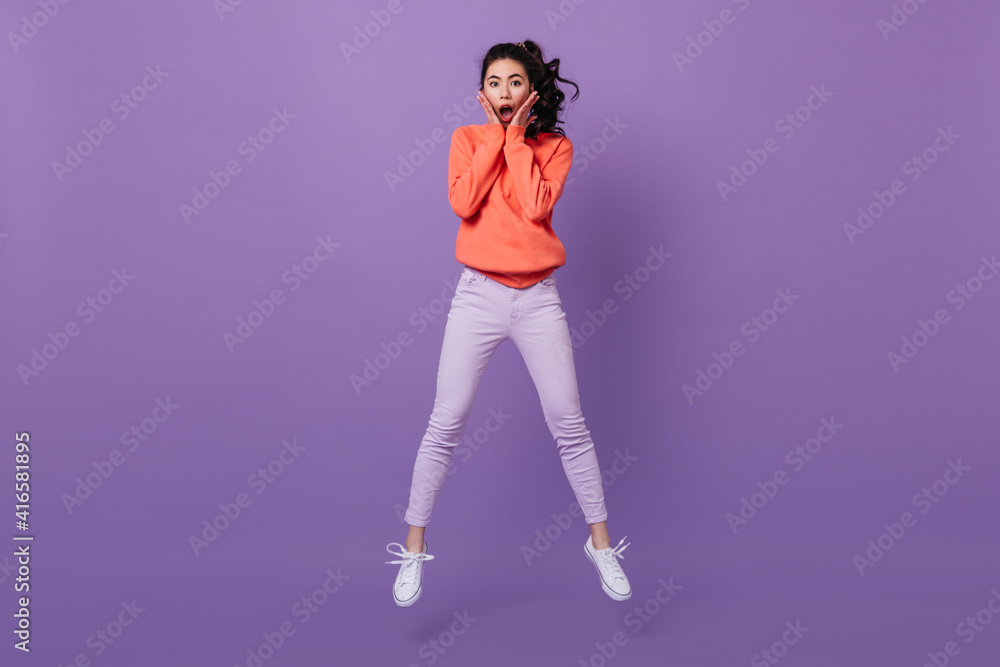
542,75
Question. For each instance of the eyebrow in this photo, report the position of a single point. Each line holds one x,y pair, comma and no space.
494,76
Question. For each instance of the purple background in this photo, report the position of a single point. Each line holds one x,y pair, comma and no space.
651,183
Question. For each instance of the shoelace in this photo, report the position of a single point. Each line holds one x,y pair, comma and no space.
408,573
610,558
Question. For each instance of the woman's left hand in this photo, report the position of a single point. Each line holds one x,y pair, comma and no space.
521,117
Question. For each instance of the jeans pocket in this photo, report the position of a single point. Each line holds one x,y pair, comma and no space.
469,279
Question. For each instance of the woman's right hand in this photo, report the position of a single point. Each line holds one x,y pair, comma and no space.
491,115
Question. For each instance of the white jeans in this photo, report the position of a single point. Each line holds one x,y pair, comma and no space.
483,314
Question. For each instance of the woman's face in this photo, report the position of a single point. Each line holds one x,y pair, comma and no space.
506,85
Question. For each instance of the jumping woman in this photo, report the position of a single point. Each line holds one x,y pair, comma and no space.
504,178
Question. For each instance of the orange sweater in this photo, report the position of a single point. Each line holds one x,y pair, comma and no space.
503,187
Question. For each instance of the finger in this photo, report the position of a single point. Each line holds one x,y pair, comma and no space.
486,106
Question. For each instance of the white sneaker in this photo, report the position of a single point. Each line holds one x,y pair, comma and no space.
613,579
408,586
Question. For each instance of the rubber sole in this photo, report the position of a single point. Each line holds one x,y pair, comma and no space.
408,603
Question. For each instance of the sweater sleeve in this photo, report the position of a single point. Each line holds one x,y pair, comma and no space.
473,168
538,186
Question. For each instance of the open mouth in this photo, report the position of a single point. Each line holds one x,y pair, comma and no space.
506,113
